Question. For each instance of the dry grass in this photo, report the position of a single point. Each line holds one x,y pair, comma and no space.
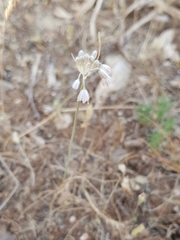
97,197
12,4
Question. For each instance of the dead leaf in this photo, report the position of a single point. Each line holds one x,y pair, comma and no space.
47,109
51,76
163,44
175,83
138,181
38,139
122,168
126,184
85,7
63,121
166,37
137,230
134,143
141,198
15,138
84,236
7,85
62,13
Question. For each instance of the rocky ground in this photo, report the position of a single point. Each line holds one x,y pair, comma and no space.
118,187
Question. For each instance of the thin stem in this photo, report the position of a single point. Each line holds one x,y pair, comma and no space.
71,140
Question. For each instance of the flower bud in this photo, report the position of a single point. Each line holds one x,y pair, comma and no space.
96,63
86,58
91,59
77,59
81,53
94,54
76,84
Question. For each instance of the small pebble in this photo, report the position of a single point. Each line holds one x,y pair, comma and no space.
72,219
85,236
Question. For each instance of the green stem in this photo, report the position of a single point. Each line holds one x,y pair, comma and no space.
71,140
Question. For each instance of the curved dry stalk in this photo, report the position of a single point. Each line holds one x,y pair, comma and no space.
85,7
10,8
118,225
140,23
75,225
27,161
93,31
8,11
15,181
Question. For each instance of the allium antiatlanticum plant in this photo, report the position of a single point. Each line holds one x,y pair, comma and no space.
86,65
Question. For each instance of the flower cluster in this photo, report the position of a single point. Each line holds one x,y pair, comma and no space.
86,65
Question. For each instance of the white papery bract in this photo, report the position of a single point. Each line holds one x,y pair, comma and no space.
83,96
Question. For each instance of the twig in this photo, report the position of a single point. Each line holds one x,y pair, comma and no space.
93,31
118,225
32,84
164,7
85,7
15,181
140,23
137,4
28,164
8,11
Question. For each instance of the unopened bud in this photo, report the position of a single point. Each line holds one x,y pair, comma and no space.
94,54
96,63
81,53
91,59
86,58
76,84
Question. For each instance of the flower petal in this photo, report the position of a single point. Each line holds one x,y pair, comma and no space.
103,74
106,69
76,84
83,96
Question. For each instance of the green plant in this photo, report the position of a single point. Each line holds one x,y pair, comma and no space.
157,116
162,107
144,113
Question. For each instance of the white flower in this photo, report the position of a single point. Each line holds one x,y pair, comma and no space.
103,74
83,96
107,81
76,84
106,68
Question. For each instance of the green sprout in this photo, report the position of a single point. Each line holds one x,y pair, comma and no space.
144,113
157,117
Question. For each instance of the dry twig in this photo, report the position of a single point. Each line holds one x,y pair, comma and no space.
93,30
33,82
15,181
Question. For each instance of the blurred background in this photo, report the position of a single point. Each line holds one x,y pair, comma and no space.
123,178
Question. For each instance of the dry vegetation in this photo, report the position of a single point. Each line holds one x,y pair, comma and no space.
117,187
